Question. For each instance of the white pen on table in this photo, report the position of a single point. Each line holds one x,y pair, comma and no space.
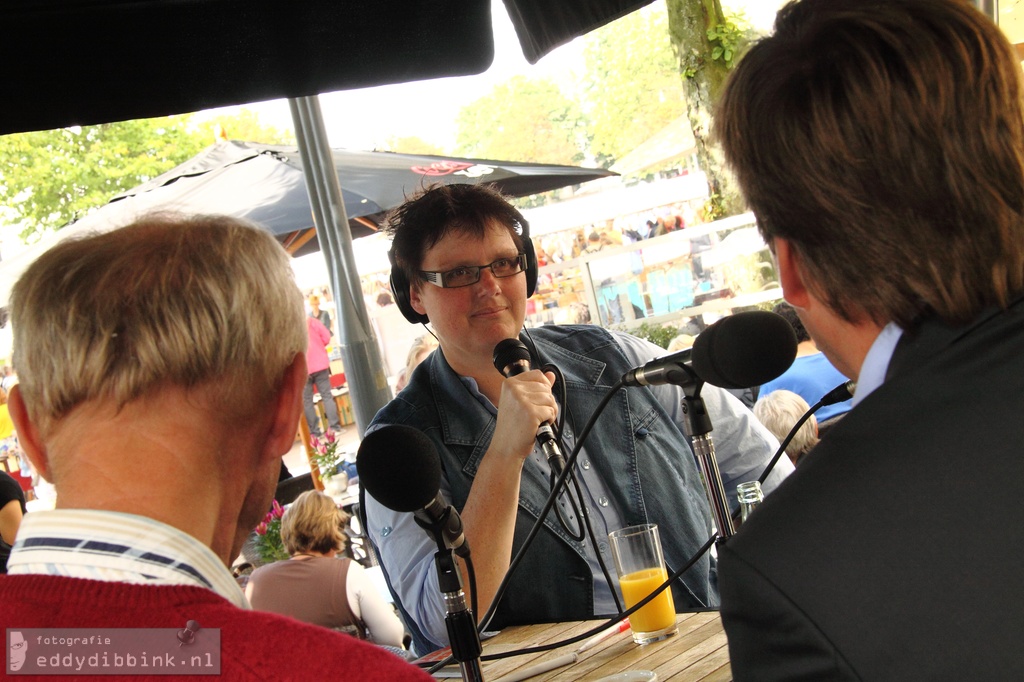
565,659
603,635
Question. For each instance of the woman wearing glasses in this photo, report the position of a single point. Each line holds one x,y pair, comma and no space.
462,262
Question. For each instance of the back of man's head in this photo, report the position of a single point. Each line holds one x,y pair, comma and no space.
885,142
167,301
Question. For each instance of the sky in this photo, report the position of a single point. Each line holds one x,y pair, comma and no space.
367,118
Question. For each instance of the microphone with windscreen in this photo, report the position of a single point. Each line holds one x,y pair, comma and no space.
512,357
743,350
399,466
746,349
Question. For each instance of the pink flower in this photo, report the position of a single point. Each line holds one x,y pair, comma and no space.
277,510
261,529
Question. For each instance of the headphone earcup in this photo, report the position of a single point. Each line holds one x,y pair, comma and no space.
531,263
400,291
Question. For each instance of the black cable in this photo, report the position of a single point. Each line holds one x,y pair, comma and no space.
612,621
582,511
471,573
577,535
597,551
843,391
597,629
517,559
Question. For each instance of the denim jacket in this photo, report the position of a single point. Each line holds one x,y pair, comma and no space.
635,446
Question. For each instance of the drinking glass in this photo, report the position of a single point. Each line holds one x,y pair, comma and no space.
641,569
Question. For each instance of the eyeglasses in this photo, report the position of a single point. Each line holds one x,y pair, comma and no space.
470,274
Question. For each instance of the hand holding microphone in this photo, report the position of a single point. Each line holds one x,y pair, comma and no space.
512,358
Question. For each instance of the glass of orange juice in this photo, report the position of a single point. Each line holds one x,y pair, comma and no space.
641,568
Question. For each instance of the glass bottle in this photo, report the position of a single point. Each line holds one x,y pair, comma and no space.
750,496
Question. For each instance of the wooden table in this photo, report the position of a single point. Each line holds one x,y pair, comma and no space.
697,652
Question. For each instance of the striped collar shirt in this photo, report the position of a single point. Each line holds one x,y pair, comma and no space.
117,547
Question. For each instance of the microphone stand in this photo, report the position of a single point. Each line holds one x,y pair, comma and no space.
697,425
463,636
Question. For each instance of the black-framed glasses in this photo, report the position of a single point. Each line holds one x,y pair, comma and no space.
466,275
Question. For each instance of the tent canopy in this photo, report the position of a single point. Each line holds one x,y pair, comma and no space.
80,62
266,184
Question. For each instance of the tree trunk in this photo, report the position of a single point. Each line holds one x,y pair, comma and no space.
703,80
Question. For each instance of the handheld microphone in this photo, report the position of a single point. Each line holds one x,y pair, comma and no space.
399,466
742,350
512,357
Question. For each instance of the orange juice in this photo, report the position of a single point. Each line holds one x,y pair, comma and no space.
660,613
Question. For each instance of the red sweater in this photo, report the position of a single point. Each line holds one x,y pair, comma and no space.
254,645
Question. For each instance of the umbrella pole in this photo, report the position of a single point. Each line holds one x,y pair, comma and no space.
364,369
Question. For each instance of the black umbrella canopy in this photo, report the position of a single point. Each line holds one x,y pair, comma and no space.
79,62
266,184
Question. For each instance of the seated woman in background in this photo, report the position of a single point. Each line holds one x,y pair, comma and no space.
779,411
314,585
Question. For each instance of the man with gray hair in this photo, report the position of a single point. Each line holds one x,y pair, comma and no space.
161,371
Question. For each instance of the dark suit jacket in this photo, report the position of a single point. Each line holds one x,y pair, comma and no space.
896,549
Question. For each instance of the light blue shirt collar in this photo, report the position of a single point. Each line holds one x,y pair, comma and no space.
876,362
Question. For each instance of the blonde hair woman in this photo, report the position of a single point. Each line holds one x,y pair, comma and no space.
418,352
315,585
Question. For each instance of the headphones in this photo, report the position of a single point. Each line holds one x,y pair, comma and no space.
400,283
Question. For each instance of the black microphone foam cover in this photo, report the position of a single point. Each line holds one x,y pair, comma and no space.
744,350
399,466
508,352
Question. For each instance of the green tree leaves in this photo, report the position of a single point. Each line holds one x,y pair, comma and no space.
522,120
50,178
632,87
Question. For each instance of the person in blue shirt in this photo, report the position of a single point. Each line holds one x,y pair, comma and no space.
811,375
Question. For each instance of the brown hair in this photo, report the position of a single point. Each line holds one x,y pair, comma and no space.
884,140
425,219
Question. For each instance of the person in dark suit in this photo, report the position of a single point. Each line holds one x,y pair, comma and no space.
881,148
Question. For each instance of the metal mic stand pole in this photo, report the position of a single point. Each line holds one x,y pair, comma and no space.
697,425
462,633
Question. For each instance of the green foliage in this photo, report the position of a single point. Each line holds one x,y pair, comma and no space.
632,87
728,38
325,454
245,126
50,178
268,541
749,273
714,208
413,145
658,334
522,120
